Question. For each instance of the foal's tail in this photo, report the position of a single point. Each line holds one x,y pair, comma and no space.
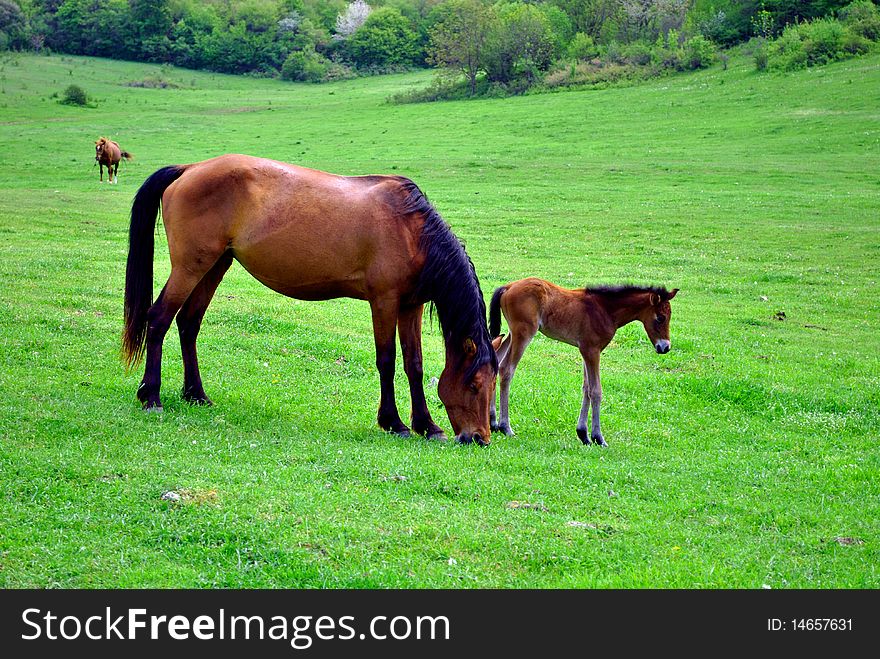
139,268
495,312
126,155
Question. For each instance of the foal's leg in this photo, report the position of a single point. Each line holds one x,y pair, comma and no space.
115,172
519,341
101,170
189,321
409,326
385,312
585,409
500,354
592,397
177,289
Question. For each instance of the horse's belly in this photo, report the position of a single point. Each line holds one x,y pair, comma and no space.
304,283
557,334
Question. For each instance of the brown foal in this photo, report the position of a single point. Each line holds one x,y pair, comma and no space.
586,318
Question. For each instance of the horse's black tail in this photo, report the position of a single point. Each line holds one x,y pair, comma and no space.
127,155
139,268
495,312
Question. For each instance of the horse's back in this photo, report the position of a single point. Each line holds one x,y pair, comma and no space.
303,232
556,311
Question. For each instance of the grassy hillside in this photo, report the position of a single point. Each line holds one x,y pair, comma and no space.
745,457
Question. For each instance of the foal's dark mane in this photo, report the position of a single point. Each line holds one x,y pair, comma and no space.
448,279
626,289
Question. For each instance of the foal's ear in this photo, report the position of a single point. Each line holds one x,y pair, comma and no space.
654,299
672,293
470,348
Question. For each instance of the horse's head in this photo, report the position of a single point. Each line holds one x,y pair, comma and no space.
466,387
656,316
100,145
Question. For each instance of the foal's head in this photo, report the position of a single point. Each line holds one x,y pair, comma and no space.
655,316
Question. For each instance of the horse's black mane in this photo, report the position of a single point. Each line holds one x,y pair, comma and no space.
627,289
449,281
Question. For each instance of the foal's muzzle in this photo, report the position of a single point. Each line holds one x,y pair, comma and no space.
663,346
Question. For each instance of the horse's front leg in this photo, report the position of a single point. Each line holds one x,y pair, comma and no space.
385,311
592,398
101,170
409,325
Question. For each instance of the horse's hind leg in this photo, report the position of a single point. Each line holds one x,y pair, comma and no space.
520,337
409,326
189,321
115,172
500,354
177,289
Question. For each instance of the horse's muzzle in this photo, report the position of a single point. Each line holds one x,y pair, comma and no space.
472,438
663,346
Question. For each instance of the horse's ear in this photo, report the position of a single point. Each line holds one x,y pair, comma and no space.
672,293
654,299
470,348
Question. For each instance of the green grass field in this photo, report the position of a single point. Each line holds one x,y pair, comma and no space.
747,456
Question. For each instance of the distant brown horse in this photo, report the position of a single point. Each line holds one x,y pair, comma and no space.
109,154
311,235
586,318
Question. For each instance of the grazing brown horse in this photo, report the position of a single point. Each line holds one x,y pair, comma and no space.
586,318
109,154
311,235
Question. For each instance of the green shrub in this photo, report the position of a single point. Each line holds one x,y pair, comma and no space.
613,53
582,47
638,53
699,52
385,39
761,57
855,44
787,52
75,95
823,41
862,18
305,66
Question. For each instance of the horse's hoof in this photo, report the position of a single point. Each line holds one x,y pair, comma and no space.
598,440
507,430
494,427
196,399
582,434
437,437
153,409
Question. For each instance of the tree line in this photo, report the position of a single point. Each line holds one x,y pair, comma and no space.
502,43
